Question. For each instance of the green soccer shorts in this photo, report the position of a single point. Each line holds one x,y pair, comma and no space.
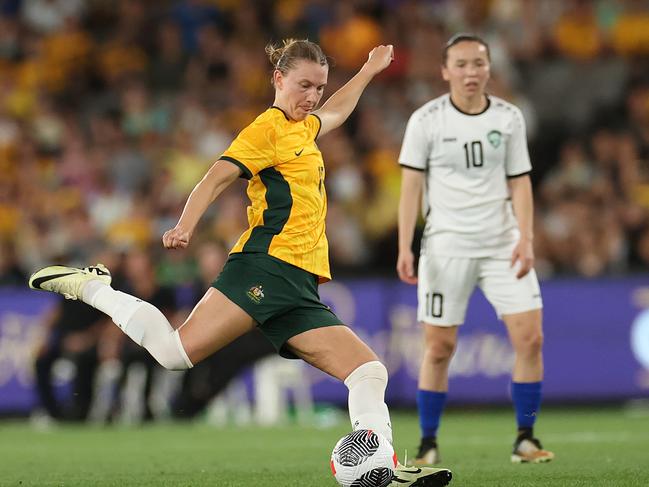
281,298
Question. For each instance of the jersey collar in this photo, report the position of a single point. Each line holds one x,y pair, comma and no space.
283,112
470,114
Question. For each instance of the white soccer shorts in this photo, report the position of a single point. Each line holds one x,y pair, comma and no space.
446,284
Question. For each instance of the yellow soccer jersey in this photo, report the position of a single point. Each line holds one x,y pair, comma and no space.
286,190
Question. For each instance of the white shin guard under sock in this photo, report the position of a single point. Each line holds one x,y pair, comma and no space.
141,321
367,408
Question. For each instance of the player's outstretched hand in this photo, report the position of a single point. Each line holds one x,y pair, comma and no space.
406,267
176,238
380,58
524,254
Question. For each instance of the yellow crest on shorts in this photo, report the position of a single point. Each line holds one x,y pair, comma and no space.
256,293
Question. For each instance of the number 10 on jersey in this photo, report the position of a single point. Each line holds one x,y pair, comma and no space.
474,154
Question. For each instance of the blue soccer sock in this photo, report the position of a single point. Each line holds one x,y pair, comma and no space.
430,405
527,402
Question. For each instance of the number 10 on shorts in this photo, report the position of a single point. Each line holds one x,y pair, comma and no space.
434,304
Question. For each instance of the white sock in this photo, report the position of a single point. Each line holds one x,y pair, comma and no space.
141,321
367,408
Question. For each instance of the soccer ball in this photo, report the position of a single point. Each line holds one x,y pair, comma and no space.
363,458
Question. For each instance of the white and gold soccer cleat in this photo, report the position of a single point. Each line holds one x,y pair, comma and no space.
529,450
428,453
68,281
420,476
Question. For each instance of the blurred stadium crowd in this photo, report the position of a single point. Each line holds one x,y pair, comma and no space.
110,112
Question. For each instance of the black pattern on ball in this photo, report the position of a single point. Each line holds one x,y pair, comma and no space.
357,447
378,477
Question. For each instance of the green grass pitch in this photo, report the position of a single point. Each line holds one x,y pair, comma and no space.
593,447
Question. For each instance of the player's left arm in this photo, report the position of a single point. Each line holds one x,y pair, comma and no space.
518,167
521,193
341,104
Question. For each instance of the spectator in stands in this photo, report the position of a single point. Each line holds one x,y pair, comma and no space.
577,34
10,272
630,33
115,106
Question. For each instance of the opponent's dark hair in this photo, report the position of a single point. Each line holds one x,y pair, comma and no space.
462,37
283,57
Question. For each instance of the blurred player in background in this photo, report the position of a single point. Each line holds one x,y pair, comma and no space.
72,331
467,153
141,280
271,279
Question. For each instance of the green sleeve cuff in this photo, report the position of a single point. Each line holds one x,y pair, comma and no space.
319,120
245,172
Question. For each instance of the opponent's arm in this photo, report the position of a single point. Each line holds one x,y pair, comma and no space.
341,104
522,201
412,182
218,177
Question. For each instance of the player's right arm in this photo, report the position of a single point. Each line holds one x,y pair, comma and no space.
251,151
412,182
413,158
218,177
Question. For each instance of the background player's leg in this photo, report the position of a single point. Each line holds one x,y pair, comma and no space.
445,285
214,374
526,334
44,387
439,346
440,343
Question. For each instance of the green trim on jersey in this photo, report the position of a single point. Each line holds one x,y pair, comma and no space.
279,203
245,171
319,128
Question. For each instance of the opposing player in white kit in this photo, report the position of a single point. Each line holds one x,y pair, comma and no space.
467,153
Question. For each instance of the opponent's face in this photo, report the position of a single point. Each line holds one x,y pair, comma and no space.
299,91
467,68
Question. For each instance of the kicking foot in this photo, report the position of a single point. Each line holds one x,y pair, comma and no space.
420,477
68,281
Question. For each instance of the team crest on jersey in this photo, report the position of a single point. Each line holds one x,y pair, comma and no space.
495,137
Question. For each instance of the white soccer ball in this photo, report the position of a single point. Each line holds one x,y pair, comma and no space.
363,458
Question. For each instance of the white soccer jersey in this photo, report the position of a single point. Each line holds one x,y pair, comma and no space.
467,159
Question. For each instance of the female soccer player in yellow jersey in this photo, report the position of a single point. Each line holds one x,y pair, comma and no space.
272,275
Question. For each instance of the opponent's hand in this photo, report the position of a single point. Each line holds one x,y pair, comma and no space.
380,58
524,254
406,267
176,238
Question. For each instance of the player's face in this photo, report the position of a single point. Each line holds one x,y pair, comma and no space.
467,68
299,91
